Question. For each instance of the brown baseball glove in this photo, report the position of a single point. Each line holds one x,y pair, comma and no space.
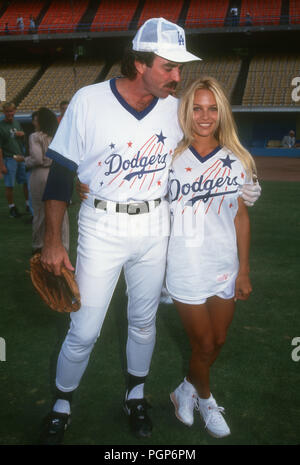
60,293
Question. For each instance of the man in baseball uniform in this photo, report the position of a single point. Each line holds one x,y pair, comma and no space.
119,137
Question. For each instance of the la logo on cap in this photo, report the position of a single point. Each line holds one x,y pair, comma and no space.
180,38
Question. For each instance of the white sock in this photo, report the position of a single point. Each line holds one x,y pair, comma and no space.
27,203
188,386
205,401
137,392
11,205
62,406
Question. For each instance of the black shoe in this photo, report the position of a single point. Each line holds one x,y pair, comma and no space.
14,212
54,427
139,422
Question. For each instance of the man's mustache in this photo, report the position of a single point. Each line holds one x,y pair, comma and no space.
171,85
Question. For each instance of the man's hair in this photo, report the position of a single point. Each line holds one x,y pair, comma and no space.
8,105
128,68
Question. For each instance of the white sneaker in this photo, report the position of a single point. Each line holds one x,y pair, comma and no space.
212,416
184,399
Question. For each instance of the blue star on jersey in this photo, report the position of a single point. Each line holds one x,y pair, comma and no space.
227,161
160,137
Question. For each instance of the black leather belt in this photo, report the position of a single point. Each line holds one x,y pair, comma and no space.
132,208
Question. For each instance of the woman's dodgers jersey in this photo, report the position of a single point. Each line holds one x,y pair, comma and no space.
203,195
120,153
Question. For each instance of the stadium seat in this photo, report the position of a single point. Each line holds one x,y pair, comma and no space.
17,76
114,15
62,16
208,13
115,71
167,9
18,8
225,69
273,143
294,12
269,80
262,12
59,82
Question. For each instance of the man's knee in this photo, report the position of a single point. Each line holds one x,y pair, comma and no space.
142,334
78,346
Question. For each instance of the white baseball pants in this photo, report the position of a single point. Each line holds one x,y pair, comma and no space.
108,241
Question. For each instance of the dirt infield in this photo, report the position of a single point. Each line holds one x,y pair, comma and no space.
278,168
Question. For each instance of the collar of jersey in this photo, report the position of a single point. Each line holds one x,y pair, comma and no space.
137,114
207,157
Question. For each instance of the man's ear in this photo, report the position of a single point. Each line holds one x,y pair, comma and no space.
140,67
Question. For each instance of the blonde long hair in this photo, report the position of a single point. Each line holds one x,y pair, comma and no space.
226,132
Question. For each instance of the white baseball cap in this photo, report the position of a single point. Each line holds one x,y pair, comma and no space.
163,38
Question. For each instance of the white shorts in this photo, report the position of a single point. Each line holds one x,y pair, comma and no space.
227,293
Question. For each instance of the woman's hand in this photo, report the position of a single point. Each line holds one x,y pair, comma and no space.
82,190
19,158
243,287
19,133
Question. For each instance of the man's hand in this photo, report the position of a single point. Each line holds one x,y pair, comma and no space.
19,133
53,257
250,193
3,169
82,190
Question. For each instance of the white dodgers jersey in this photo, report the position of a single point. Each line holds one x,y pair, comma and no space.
122,154
203,195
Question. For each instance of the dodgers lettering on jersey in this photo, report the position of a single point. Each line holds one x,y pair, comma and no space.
120,153
203,194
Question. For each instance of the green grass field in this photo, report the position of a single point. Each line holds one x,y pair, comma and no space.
255,378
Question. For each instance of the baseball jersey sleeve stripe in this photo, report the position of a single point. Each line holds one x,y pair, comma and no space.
61,160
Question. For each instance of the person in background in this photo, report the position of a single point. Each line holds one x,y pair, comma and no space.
46,125
20,24
234,16
12,143
31,25
289,140
28,171
62,107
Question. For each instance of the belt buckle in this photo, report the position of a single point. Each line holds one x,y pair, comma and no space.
135,208
100,204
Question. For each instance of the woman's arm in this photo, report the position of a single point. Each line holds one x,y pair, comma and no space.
37,148
243,286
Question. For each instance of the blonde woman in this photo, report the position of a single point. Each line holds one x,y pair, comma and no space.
208,255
